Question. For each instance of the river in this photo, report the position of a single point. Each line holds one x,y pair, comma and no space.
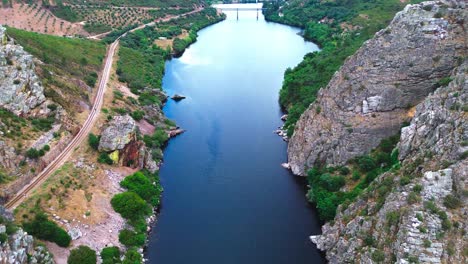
226,198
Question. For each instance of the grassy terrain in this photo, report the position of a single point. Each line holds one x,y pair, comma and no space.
347,25
67,61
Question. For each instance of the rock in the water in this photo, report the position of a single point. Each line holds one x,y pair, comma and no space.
178,97
20,87
372,94
120,131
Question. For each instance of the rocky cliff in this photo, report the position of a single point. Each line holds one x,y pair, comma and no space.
20,87
19,248
423,217
374,92
414,72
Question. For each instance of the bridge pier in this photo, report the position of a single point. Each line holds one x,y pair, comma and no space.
237,13
257,14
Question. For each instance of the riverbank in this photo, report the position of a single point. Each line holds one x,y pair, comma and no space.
137,52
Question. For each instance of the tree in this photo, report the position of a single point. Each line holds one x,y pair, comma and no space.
93,141
130,205
140,184
132,257
32,153
130,238
45,229
110,255
82,255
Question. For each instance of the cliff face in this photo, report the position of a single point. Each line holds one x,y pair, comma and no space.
18,248
20,87
422,219
376,89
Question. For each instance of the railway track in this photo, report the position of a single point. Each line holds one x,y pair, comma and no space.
88,124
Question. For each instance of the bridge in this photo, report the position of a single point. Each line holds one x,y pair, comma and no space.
237,9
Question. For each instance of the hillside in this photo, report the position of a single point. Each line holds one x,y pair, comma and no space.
86,18
383,143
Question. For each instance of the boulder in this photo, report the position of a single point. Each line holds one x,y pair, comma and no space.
178,97
120,131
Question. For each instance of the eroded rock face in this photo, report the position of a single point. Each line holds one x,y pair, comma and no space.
119,137
415,222
19,249
20,87
372,94
120,131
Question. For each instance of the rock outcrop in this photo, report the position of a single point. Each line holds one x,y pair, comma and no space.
19,248
120,131
120,138
425,220
20,87
376,89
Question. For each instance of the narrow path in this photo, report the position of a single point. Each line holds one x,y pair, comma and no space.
88,124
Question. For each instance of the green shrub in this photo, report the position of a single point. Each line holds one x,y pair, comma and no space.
110,255
366,163
378,256
404,180
43,124
130,205
132,257
32,153
157,140
82,255
104,158
137,115
46,148
142,185
3,237
132,239
45,229
427,243
452,202
369,240
93,141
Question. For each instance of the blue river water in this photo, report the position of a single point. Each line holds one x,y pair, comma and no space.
226,198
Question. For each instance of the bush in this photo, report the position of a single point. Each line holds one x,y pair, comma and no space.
452,202
32,153
157,140
137,115
140,184
366,163
132,239
130,205
46,148
93,141
104,158
110,255
132,257
378,256
82,255
3,237
45,229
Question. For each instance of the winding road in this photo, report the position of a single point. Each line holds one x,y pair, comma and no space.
87,125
